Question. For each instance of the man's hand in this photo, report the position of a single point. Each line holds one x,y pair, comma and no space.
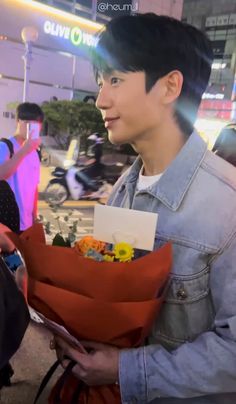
9,167
98,367
6,245
31,144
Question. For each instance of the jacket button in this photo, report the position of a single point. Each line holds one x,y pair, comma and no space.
182,294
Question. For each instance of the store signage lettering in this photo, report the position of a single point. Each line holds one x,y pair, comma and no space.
209,96
75,34
221,20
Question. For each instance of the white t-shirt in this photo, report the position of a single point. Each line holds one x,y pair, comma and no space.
23,182
146,181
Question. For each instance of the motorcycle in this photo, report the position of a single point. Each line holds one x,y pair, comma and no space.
93,182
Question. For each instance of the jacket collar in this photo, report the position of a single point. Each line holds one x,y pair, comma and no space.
174,183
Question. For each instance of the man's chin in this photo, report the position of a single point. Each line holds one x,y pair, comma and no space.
116,140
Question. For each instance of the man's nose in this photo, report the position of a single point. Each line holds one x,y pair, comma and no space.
103,99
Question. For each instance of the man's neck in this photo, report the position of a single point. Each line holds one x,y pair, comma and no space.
161,148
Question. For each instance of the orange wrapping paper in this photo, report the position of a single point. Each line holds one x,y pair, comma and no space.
110,302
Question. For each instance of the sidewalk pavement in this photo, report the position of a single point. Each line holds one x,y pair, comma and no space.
30,364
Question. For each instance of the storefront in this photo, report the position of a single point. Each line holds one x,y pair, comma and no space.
60,65
214,113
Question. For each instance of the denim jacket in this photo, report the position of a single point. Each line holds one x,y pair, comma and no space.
191,355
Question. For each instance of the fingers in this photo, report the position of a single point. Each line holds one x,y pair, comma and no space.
59,352
3,228
93,345
52,344
68,350
5,243
60,342
97,368
31,144
55,344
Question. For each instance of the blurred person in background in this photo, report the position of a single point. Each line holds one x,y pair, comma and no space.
97,146
95,150
21,167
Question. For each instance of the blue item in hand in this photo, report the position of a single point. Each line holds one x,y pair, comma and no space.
13,261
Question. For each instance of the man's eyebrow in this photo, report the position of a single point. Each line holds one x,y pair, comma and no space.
104,75
97,76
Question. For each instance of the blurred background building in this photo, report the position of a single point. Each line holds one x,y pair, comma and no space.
59,62
102,11
59,65
218,19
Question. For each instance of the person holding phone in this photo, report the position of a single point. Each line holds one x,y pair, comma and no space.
20,163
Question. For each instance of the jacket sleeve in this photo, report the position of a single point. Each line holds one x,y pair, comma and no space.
203,367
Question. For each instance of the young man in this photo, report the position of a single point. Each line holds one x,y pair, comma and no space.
22,170
152,71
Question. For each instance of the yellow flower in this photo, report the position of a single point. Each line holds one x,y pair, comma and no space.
123,252
108,258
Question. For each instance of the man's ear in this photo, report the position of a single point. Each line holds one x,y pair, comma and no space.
173,82
19,122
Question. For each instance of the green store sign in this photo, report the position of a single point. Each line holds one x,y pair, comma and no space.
75,35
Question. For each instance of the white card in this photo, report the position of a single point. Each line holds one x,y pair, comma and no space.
114,225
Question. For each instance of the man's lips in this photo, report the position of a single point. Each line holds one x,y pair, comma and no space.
109,121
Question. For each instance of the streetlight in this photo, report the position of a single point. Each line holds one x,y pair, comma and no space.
94,9
29,35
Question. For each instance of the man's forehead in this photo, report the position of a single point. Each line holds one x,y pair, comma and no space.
106,74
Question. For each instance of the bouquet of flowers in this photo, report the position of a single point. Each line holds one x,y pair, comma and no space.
110,298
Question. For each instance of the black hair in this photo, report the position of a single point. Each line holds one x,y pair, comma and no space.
157,45
28,111
225,145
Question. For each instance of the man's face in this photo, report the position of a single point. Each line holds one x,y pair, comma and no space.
129,112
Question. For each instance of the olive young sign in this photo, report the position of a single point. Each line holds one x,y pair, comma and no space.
73,34
58,30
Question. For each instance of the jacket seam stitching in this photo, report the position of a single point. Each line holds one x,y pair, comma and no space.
188,243
205,166
227,243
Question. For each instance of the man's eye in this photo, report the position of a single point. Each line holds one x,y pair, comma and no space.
99,85
115,80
